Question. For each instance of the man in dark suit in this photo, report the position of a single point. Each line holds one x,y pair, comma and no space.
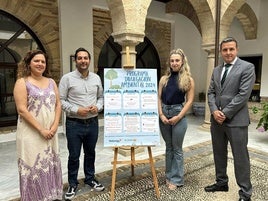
227,99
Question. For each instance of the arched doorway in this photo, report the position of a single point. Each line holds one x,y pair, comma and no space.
110,56
15,40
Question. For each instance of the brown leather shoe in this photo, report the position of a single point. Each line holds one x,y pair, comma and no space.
216,187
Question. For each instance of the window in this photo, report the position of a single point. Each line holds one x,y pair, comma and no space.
257,61
15,40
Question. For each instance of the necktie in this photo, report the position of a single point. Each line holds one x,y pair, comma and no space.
227,66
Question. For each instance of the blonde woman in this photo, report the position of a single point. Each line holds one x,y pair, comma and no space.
176,95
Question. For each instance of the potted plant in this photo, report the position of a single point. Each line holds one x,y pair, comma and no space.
263,121
199,107
202,96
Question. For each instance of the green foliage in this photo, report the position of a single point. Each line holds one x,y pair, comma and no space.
263,121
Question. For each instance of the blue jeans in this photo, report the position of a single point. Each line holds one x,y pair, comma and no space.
78,133
173,137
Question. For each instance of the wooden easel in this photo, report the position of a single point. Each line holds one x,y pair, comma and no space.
132,163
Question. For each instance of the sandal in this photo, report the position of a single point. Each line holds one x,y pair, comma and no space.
172,186
167,182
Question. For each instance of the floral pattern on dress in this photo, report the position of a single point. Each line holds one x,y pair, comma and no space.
38,158
43,180
44,97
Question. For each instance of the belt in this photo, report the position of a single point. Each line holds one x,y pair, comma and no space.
82,121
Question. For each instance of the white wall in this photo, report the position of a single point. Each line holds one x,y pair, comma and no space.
256,47
188,38
76,29
263,37
185,36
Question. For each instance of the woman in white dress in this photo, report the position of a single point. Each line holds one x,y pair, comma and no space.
38,105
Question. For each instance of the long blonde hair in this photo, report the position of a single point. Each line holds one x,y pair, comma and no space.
184,78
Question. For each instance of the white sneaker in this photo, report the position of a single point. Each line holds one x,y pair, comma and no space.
95,185
70,192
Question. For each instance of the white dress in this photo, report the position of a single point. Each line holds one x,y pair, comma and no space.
38,159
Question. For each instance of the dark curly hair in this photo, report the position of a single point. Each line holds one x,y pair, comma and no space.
24,65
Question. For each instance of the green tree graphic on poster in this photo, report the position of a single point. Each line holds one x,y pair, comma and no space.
112,75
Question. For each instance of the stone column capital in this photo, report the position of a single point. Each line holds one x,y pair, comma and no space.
209,48
128,38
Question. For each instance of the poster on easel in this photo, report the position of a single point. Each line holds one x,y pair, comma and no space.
130,108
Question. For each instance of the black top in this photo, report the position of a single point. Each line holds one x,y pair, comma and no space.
171,94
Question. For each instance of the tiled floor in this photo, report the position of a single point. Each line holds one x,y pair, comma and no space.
9,183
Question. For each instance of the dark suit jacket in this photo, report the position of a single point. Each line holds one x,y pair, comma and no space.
232,97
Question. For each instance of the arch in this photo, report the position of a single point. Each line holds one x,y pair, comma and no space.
17,39
23,27
153,30
12,54
185,8
99,40
110,56
244,14
249,21
199,12
42,18
147,55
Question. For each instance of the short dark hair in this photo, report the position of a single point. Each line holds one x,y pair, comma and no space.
81,49
227,40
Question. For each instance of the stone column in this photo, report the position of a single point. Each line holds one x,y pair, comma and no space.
128,19
128,55
210,49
